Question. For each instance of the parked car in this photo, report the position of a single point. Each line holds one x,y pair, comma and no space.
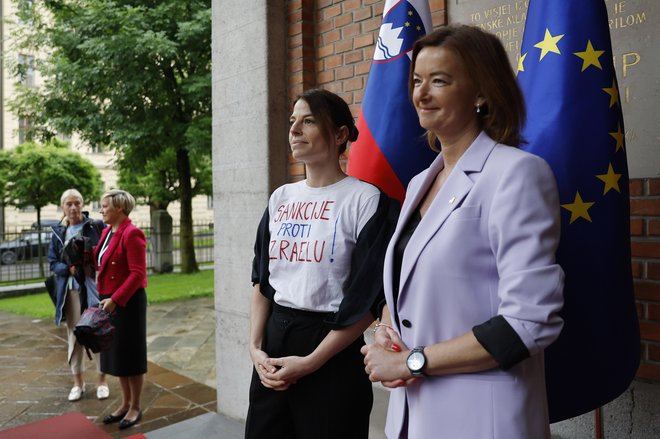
46,224
25,247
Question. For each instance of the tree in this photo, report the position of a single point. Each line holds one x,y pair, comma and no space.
134,76
58,168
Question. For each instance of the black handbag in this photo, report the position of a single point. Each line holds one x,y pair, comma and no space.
50,287
94,330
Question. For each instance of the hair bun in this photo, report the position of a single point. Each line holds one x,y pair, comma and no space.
353,133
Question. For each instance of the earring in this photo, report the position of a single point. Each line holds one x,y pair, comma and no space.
478,109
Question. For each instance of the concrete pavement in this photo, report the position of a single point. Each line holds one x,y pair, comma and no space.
179,397
36,378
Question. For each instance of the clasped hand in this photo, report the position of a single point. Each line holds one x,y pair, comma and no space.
385,359
279,373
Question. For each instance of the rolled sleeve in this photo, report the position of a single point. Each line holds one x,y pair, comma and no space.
524,234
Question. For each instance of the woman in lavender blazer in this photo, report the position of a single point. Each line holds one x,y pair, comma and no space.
471,282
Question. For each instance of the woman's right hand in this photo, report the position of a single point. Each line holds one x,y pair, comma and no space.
260,361
379,358
108,305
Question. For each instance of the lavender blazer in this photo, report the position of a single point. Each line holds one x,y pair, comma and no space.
485,247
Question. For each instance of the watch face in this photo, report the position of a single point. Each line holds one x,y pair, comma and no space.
416,361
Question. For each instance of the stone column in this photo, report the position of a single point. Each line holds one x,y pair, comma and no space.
250,124
162,260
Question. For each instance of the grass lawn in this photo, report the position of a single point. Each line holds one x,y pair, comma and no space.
161,288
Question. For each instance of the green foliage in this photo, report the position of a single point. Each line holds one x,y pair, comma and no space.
58,168
162,288
134,76
35,175
5,168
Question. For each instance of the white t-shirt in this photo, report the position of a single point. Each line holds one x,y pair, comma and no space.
313,232
71,232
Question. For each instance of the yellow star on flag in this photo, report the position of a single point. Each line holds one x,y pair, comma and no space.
610,179
549,44
613,92
407,24
410,13
578,208
521,67
618,136
590,57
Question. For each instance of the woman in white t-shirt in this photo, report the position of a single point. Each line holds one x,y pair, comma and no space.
317,285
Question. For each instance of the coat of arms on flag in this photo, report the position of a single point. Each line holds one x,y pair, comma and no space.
391,147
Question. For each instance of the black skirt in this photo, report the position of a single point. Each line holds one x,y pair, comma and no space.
128,354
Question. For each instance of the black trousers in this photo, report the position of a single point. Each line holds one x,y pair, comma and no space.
333,402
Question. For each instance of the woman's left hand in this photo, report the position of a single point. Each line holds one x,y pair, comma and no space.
289,369
108,305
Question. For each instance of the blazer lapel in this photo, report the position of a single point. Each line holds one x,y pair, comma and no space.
410,206
114,242
450,197
410,203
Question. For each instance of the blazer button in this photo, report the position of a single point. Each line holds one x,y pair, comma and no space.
406,323
112,263
112,277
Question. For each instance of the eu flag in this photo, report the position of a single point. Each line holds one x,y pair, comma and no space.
391,147
575,123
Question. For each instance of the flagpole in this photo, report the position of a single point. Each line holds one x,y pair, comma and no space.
598,419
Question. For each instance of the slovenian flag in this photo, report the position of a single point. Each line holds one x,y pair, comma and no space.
575,123
391,147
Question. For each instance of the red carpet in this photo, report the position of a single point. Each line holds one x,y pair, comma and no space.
69,426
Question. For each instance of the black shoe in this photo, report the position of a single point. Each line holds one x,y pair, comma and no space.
112,418
125,423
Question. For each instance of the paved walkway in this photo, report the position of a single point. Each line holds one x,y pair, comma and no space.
179,397
180,383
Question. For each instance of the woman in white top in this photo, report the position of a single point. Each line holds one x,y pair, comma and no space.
316,276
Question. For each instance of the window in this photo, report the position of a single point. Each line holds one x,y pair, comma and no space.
64,137
26,70
25,12
96,148
24,129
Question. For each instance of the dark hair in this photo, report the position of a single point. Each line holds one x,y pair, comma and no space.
486,63
331,112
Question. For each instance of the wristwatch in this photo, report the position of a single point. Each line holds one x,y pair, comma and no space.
416,361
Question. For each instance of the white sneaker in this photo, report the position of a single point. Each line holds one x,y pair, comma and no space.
102,391
76,393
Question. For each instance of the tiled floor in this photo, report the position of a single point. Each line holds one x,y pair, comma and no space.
181,337
36,379
179,396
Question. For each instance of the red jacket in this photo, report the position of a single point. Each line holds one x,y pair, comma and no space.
124,266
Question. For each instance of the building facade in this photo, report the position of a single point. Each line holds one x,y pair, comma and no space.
13,132
278,48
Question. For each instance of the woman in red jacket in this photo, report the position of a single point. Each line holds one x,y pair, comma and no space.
122,278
